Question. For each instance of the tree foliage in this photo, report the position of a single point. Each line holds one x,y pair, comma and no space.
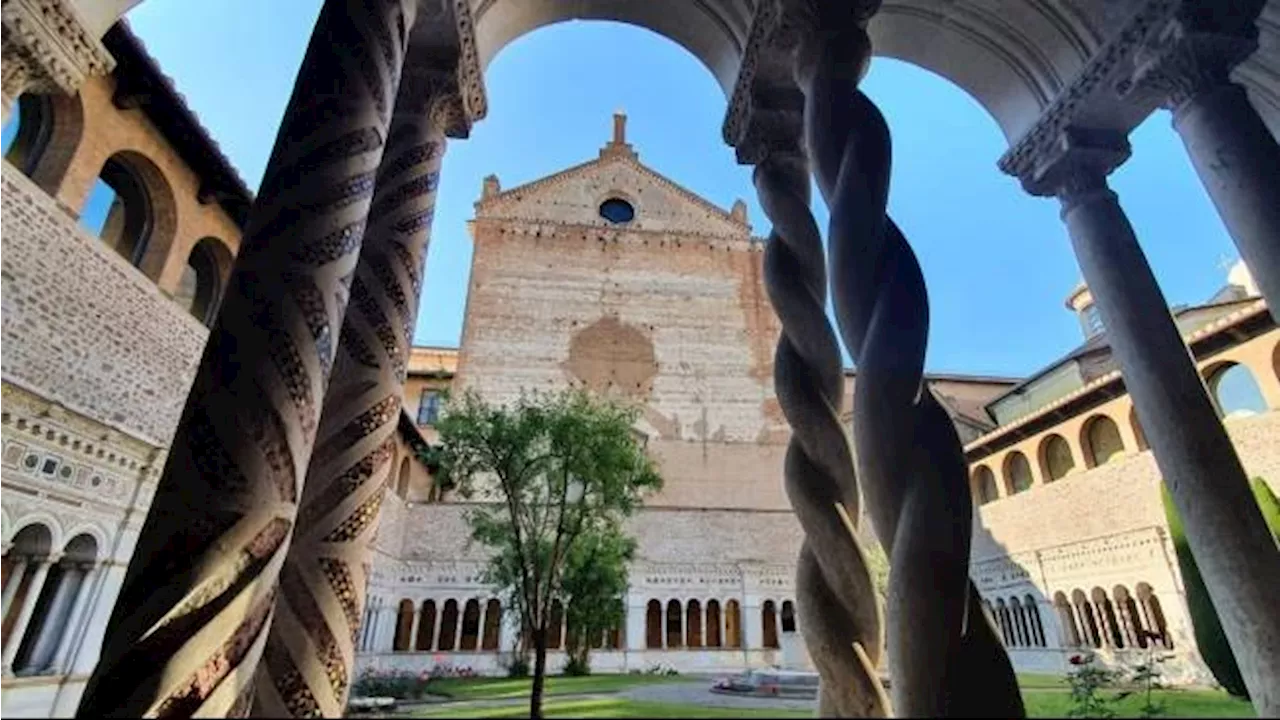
555,475
1210,637
594,588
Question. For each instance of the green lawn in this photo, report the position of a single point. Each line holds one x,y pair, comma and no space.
607,708
500,688
1045,696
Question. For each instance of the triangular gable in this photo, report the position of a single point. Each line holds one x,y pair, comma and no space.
574,196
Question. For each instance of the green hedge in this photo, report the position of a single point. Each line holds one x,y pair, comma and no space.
1210,638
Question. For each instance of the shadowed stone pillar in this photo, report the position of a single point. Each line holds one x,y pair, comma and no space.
1231,148
76,620
1233,547
191,619
307,667
15,581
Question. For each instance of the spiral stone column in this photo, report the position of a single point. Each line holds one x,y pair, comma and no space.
307,663
192,615
945,659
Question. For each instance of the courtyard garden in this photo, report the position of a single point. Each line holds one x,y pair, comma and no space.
660,695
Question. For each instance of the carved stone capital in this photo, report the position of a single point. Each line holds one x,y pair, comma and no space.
1076,166
46,48
1184,60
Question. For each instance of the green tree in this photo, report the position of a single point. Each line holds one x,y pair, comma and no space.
549,470
1210,638
593,590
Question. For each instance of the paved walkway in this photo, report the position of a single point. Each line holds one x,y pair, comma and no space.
698,692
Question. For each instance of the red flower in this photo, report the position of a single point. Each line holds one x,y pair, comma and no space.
1077,660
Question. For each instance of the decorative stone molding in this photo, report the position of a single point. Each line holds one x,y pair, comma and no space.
1075,164
765,110
46,48
1072,107
1184,60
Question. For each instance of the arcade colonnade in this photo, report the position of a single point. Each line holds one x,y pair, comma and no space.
260,528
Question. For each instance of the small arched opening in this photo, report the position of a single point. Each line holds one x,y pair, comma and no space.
448,626
1101,441
693,615
984,485
555,626
769,622
426,627
22,564
653,625
119,210
1067,620
1155,620
404,625
470,625
713,624
1088,621
1110,624
1020,635
492,624
1017,473
52,617
1056,461
200,287
675,625
1130,617
26,135
732,624
1004,621
1034,623
1235,391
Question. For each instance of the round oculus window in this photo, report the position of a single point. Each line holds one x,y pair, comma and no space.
617,211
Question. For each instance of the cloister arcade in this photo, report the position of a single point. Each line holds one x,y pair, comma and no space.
1066,81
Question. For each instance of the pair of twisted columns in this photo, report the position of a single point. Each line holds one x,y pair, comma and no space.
215,585
945,658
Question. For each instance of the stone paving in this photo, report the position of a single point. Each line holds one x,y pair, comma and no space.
698,692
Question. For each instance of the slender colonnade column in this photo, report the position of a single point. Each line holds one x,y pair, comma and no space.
1231,148
1233,547
190,622
13,640
945,658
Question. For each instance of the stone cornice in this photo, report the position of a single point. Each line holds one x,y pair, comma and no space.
1073,105
47,48
1184,60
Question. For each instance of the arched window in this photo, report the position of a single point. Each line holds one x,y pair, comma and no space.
492,624
1033,621
426,627
713,623
1088,622
693,618
1154,614
51,618
1055,458
1107,612
1101,441
653,625
732,625
1235,391
788,616
404,625
1067,619
26,135
769,621
448,626
555,626
675,625
200,287
1006,626
118,210
1130,617
402,479
984,485
31,545
1017,473
1019,618
470,625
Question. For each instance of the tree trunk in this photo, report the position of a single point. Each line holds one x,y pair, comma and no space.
539,672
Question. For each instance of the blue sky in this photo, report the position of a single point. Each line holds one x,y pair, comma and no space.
997,261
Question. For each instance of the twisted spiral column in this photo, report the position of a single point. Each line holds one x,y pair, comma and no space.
191,620
839,613
307,664
944,657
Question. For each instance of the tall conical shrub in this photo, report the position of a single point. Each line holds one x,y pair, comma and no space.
1205,624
